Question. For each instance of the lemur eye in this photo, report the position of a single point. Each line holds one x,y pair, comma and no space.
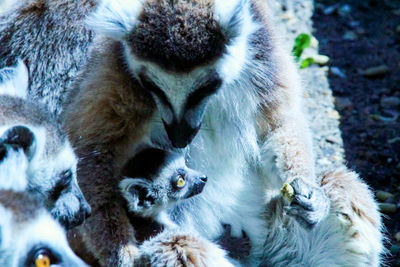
42,260
180,182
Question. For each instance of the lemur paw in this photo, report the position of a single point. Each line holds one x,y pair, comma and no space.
237,247
308,205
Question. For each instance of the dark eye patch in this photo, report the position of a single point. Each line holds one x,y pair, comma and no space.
205,90
153,88
63,182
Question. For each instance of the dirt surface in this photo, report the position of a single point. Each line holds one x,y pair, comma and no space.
358,35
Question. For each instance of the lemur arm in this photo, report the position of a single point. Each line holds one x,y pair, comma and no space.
106,114
286,138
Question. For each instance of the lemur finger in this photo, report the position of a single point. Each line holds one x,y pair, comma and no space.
300,188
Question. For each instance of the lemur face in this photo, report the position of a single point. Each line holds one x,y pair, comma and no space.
32,240
51,162
155,179
182,52
29,234
52,177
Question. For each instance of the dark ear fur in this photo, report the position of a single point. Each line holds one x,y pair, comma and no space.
142,194
20,136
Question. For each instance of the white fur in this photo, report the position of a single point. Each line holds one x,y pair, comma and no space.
224,10
13,171
115,18
231,65
43,230
15,80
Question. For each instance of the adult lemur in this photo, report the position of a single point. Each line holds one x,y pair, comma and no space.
29,235
209,74
51,168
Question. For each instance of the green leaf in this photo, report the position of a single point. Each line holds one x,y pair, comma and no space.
306,62
302,42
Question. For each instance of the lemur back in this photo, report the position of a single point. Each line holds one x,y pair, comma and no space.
51,166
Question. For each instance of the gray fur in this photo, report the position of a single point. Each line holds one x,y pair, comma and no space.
50,36
50,156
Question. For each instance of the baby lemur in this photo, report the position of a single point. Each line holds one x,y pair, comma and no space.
154,180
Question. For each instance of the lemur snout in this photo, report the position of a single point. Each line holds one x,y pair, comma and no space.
198,186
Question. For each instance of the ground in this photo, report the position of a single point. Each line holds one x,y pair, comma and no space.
358,35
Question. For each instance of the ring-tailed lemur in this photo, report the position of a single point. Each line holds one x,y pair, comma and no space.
211,75
51,166
155,180
29,234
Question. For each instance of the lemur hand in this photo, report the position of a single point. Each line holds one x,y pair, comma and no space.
237,247
308,204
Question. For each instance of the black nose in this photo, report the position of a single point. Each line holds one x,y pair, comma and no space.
204,179
181,133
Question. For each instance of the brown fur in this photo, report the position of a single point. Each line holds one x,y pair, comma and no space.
102,123
24,206
187,34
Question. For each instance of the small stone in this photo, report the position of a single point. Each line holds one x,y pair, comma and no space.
314,43
343,103
382,195
332,140
377,71
321,59
354,24
324,162
288,15
387,208
398,29
337,72
390,102
333,114
397,236
330,10
344,10
394,140
350,35
384,119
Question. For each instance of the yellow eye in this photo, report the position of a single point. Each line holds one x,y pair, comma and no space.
42,261
180,182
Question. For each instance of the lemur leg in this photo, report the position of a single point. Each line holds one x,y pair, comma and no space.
353,204
175,250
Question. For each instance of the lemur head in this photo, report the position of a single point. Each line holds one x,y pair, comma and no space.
51,162
155,179
181,51
29,234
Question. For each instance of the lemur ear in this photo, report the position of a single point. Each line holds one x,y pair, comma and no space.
115,18
20,136
136,191
230,14
14,80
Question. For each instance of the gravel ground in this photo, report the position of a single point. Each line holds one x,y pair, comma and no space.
358,36
294,17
